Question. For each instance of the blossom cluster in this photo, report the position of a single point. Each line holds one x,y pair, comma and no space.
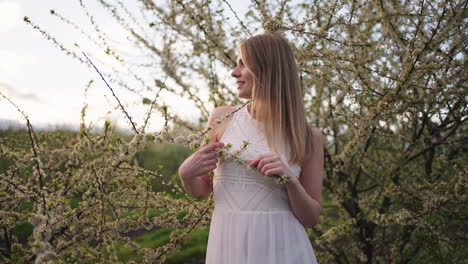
382,79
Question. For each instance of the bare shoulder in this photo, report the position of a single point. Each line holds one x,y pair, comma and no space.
219,113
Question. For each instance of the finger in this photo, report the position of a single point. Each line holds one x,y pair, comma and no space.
261,163
273,171
208,148
211,155
274,158
268,167
266,160
211,168
253,162
209,163
212,147
258,159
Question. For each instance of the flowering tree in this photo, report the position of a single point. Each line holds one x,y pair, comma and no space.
384,81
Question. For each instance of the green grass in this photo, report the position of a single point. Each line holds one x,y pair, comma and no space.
193,249
23,230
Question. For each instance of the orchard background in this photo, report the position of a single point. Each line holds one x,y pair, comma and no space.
384,80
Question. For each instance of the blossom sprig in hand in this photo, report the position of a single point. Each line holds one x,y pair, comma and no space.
271,165
280,173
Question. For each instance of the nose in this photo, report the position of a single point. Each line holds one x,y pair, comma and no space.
235,73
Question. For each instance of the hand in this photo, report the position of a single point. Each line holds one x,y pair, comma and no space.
201,162
270,164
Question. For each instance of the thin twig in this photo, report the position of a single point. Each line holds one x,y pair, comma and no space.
113,94
238,19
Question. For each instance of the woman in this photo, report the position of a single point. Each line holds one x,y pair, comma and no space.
256,220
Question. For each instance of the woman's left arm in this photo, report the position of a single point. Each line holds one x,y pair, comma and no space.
305,193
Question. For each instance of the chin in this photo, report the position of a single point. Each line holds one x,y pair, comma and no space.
244,96
241,93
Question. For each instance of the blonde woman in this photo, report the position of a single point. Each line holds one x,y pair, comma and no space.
256,220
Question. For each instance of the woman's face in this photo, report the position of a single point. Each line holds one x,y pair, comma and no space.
244,80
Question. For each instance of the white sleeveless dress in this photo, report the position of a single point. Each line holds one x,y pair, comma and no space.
252,221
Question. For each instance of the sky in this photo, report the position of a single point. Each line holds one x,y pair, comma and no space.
47,84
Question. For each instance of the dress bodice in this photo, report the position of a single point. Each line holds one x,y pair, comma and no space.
243,189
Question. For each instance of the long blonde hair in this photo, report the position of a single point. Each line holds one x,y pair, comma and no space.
277,96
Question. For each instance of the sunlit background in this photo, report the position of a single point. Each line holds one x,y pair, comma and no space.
49,85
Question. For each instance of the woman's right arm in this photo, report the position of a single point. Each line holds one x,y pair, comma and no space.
194,171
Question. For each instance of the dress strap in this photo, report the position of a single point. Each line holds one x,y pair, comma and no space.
232,123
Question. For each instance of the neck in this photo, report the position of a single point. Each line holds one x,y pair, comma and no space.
249,109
